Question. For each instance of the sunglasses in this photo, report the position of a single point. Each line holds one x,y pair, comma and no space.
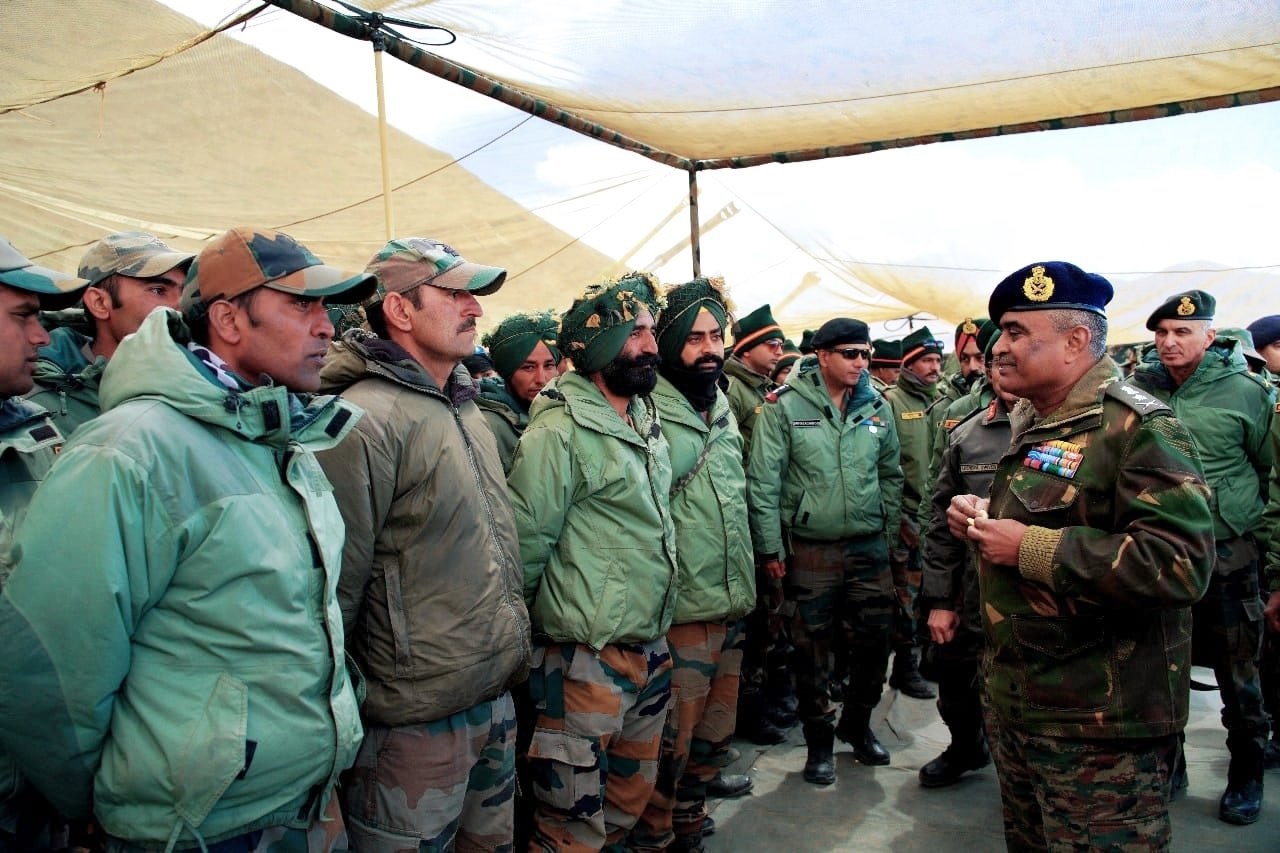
854,352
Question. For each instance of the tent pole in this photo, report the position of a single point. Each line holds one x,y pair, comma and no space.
379,46
695,242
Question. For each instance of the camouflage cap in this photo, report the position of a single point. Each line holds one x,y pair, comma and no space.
1190,305
405,263
132,253
244,258
595,328
516,336
56,289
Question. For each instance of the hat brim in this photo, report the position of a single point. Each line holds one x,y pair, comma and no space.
474,278
326,282
151,265
56,290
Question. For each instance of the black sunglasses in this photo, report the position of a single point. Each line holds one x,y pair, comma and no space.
854,352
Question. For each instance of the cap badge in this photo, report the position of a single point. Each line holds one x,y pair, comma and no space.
1186,307
969,327
1038,287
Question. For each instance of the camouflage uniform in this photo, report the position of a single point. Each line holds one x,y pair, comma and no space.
1087,665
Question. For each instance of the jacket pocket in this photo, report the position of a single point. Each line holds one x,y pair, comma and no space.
216,750
566,772
1066,662
1040,492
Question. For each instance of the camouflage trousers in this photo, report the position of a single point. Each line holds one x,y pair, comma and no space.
908,572
706,663
593,756
444,785
843,592
1071,796
1227,628
325,834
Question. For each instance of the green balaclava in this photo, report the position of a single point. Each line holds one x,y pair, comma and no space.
684,303
510,343
595,328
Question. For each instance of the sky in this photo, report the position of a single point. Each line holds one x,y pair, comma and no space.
1127,198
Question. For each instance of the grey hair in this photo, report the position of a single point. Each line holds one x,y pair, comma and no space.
1065,320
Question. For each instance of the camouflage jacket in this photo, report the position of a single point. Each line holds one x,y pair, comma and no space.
746,395
1089,635
974,447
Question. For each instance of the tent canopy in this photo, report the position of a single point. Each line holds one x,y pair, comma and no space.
126,114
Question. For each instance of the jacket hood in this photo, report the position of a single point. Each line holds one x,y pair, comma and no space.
590,410
359,355
16,413
154,363
494,396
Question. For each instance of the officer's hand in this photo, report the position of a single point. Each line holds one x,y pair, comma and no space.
1272,613
942,625
775,568
963,509
997,538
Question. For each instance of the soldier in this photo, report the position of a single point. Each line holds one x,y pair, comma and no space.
823,486
790,355
1266,340
757,346
590,484
717,574
969,359
1228,412
203,698
524,353
431,583
1265,336
28,440
912,397
886,364
130,273
949,589
806,342
1094,544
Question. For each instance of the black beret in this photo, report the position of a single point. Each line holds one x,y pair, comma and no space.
1191,305
1050,285
1265,330
841,330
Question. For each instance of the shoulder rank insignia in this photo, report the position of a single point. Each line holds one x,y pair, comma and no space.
772,396
950,424
1137,399
1037,287
1055,457
1185,307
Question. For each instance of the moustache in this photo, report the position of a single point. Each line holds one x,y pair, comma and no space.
467,326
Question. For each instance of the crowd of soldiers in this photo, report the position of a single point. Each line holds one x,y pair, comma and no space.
337,578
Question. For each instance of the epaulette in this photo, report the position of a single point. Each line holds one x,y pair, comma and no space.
1135,398
551,393
772,396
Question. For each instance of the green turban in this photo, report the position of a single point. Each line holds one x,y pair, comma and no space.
516,336
684,303
595,328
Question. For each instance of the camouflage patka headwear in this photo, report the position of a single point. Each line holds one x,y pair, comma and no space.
684,303
595,328
510,343
56,290
136,254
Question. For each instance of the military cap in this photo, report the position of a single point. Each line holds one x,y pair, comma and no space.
755,328
56,290
886,353
1265,331
790,355
405,263
595,328
920,343
510,343
239,260
806,342
132,253
987,333
1191,305
684,303
841,330
970,329
1050,285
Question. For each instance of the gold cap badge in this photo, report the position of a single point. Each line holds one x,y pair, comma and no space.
1186,307
1038,287
969,327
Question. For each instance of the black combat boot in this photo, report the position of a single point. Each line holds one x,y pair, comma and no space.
753,722
820,766
954,762
906,677
1242,801
855,729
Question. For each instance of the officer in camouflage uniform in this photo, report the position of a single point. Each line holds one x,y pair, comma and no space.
913,398
1228,410
129,273
27,445
824,491
886,364
591,485
949,589
523,351
1095,543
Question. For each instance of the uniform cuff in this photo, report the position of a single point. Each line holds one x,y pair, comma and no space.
1035,554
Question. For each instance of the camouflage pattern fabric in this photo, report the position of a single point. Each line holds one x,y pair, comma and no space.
907,570
438,786
1064,795
843,589
593,757
325,834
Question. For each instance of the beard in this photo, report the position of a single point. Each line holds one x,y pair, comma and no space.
697,381
628,377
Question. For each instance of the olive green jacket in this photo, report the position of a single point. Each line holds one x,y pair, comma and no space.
591,498
504,416
1089,634
912,406
746,395
67,380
